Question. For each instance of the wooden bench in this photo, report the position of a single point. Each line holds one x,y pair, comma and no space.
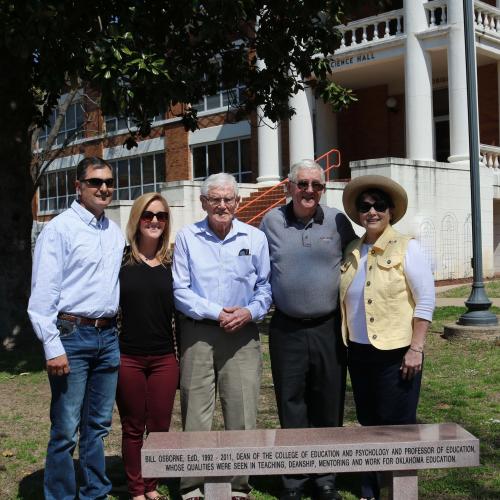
218,455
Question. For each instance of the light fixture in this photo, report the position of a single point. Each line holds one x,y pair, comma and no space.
392,103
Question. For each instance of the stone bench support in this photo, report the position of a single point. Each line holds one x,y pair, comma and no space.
402,450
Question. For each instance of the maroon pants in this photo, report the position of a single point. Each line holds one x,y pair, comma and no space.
145,397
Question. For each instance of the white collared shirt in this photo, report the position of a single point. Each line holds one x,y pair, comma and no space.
210,273
76,265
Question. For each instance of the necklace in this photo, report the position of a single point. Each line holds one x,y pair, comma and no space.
147,259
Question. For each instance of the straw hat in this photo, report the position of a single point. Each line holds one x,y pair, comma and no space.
365,182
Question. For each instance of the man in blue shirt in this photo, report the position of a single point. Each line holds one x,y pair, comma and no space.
73,305
221,287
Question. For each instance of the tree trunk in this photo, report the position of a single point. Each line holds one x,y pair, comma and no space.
16,191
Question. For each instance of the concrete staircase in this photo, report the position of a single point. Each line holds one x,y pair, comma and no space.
246,214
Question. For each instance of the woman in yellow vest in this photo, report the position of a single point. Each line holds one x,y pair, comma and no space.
387,299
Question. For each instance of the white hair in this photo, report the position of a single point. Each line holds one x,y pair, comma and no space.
218,180
305,165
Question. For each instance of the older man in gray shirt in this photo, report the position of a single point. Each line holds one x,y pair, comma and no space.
306,241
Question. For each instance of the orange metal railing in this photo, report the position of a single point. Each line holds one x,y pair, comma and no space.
326,157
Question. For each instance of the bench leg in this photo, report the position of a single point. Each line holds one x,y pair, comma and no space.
217,488
404,485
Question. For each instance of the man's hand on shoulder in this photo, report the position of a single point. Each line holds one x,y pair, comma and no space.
58,366
234,318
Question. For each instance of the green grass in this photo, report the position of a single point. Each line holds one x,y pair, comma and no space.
492,289
461,384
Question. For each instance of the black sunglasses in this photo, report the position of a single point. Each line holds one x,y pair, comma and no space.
95,182
148,216
379,206
304,185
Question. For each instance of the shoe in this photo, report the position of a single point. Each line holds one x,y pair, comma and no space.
291,495
327,492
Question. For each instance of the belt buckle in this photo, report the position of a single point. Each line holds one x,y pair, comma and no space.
96,323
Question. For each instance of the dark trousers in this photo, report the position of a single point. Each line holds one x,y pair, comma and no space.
145,397
309,370
381,395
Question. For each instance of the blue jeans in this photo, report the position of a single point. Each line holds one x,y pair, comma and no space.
82,401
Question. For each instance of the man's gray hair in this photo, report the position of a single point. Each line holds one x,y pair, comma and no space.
303,165
219,180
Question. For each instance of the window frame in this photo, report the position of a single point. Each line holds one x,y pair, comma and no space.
238,174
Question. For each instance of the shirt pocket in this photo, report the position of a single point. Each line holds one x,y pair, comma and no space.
391,275
242,267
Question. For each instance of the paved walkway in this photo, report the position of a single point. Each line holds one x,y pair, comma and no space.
445,301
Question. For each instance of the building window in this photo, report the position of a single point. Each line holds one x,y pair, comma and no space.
138,175
133,176
221,100
57,190
115,123
71,127
231,156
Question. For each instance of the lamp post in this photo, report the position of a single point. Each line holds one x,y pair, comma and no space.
478,304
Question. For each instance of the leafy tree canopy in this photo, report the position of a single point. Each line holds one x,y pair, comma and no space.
143,56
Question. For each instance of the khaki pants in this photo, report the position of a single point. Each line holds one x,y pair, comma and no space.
215,361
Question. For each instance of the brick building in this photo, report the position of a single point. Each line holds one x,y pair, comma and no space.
407,69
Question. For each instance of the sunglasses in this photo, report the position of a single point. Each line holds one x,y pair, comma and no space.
317,187
97,183
379,206
148,216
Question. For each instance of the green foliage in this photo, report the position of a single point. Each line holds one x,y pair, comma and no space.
146,56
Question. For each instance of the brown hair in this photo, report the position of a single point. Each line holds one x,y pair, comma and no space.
90,161
133,234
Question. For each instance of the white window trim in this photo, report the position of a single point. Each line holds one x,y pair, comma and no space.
240,130
143,148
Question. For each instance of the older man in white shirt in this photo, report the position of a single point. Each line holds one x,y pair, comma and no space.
73,305
221,286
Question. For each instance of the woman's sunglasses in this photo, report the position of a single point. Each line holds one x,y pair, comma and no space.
148,216
379,206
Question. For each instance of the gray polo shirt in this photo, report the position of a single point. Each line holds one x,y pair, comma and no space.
305,259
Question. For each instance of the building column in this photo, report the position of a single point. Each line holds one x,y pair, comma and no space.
268,139
301,136
457,85
268,150
418,86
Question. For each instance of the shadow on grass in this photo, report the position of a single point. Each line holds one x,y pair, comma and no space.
22,360
31,486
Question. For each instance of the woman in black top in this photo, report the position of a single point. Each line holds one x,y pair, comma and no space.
149,370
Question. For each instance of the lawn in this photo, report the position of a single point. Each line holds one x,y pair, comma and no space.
461,384
492,289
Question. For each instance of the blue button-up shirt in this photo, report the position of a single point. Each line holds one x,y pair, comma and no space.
210,273
75,270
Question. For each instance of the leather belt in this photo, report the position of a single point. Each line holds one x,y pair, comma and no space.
81,320
210,322
309,321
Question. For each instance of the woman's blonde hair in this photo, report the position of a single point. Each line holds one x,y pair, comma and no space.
134,234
